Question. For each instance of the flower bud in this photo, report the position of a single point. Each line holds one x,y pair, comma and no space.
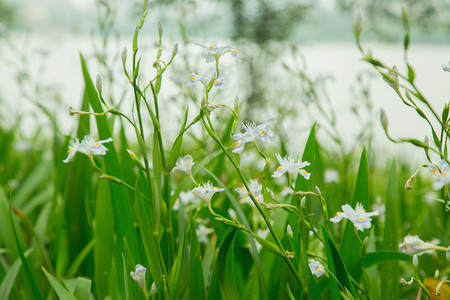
318,191
175,50
160,28
384,120
415,261
98,83
123,55
303,203
436,274
289,230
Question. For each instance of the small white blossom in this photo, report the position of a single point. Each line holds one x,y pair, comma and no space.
331,176
235,54
446,68
443,174
184,165
218,82
288,164
252,133
255,188
139,275
316,267
193,79
393,74
206,192
203,232
211,52
185,198
412,244
87,146
359,217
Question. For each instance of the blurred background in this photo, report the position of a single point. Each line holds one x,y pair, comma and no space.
300,63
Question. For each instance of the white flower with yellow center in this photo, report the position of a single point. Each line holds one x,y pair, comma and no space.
358,216
193,79
316,267
292,167
412,244
443,174
87,146
252,133
184,165
206,192
255,188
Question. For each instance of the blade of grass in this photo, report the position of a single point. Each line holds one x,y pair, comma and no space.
225,273
59,289
82,289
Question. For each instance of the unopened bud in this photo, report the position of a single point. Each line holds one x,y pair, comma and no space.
404,282
175,50
447,255
160,28
98,83
289,230
123,55
415,261
318,191
236,103
438,288
303,203
384,120
436,274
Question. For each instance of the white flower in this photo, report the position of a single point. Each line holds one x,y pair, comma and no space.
255,188
357,216
211,52
184,165
412,244
288,164
446,68
331,176
316,267
218,82
88,147
393,75
252,133
235,54
206,191
139,275
185,198
443,174
203,232
193,79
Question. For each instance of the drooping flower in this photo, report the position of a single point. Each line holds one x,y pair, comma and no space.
445,67
255,188
393,78
292,167
235,54
316,267
139,276
252,133
87,146
359,217
184,165
206,192
412,244
443,174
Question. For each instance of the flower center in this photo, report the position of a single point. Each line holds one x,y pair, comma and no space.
192,78
280,168
237,143
212,47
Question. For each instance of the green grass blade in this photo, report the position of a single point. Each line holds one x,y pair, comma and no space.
31,280
82,289
9,279
339,277
390,272
123,221
104,240
225,274
148,240
175,151
351,246
196,279
374,258
59,289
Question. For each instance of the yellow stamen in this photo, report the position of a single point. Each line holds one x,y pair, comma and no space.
303,171
69,151
237,143
96,144
361,219
235,51
262,132
280,168
192,78
212,47
434,171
